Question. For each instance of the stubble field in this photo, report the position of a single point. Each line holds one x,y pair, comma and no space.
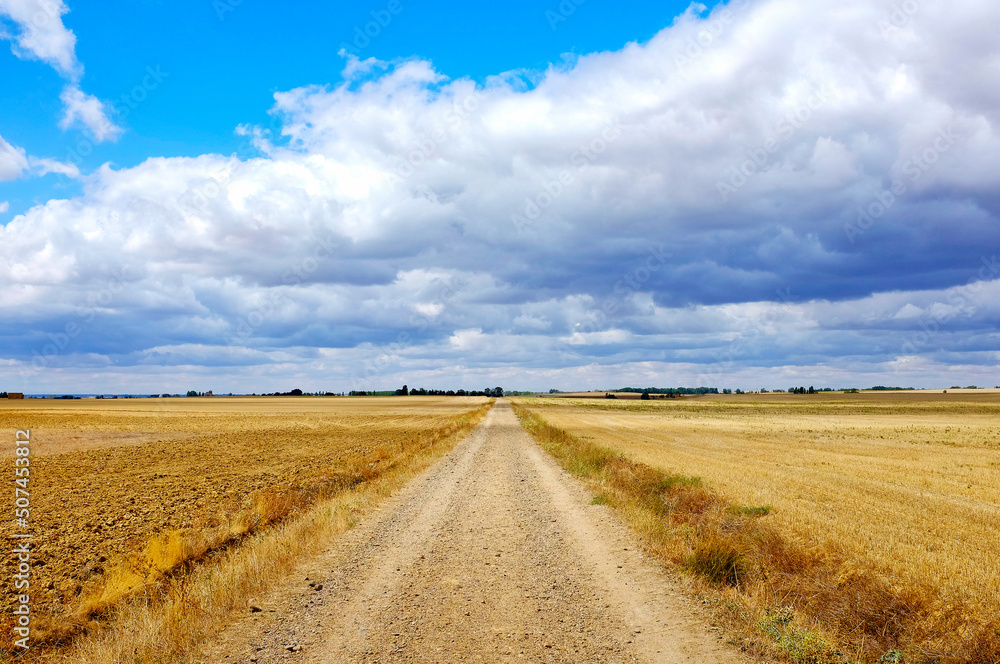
904,485
125,493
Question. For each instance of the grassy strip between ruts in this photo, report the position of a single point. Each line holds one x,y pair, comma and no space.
807,604
161,606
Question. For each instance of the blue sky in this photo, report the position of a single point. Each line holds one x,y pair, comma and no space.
215,195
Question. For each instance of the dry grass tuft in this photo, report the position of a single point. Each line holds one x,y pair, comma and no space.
810,603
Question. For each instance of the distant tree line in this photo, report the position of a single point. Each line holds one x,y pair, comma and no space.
669,390
420,391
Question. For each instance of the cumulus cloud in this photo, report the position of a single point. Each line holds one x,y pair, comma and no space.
87,111
41,35
44,166
4,206
760,191
15,162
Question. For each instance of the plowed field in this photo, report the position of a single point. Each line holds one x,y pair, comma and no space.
160,481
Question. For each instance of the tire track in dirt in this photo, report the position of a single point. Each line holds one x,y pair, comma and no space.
492,555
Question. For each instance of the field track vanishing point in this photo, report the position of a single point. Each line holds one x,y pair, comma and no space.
494,554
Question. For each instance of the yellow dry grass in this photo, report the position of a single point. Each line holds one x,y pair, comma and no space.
902,484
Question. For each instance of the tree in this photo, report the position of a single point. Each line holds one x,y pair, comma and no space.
811,390
498,392
192,393
644,396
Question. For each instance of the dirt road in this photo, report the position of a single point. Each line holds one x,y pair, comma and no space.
492,555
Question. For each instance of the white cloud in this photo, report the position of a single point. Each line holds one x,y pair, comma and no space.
467,340
42,35
13,161
597,338
4,206
429,309
44,166
909,311
88,111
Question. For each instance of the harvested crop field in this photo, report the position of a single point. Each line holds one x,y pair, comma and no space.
902,485
125,491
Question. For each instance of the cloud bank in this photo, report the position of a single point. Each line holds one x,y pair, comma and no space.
761,195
